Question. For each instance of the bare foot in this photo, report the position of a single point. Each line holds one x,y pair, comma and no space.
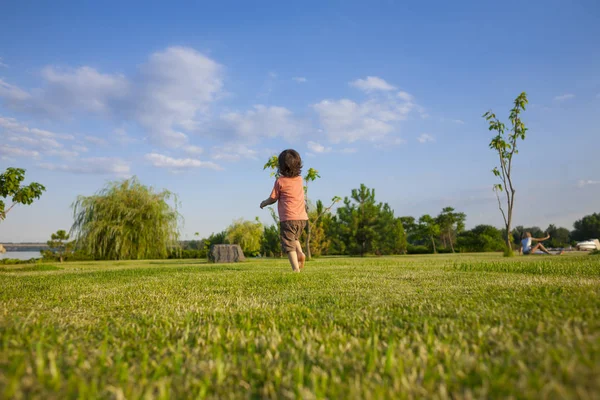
301,259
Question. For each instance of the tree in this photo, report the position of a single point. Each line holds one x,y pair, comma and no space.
411,229
587,228
482,238
559,237
358,221
126,220
59,244
429,229
271,244
505,144
248,234
451,223
391,238
10,187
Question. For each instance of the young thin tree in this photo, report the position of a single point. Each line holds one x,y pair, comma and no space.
10,187
59,244
505,144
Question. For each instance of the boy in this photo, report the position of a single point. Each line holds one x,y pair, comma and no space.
289,191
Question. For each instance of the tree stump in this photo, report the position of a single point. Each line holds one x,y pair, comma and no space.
226,253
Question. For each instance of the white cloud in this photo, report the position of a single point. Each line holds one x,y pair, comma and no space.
94,166
425,138
61,153
50,135
346,121
458,121
162,161
122,136
193,150
261,122
3,64
348,150
35,142
82,88
171,92
564,97
7,150
80,148
317,147
175,87
96,140
372,83
300,79
13,94
405,96
232,152
587,182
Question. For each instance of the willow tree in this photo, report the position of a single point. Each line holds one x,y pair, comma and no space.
126,220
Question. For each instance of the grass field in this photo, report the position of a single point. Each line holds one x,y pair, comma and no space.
460,326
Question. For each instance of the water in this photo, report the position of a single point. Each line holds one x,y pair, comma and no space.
21,255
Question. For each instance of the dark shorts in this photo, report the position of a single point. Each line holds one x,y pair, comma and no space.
290,232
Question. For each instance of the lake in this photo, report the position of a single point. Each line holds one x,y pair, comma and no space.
21,255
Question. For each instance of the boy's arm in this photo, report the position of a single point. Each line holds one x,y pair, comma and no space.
268,202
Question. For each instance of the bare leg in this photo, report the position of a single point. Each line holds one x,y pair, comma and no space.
293,257
300,253
541,247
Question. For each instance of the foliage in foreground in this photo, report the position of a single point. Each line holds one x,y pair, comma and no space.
126,220
428,327
11,188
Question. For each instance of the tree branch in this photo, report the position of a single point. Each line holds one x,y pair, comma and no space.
3,214
501,210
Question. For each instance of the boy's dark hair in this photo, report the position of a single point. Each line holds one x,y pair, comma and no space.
290,163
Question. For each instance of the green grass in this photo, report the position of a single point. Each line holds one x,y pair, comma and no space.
461,326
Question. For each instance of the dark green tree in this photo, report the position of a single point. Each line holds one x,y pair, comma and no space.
59,244
482,238
358,221
271,243
391,238
429,229
451,223
559,237
587,228
505,144
126,220
11,188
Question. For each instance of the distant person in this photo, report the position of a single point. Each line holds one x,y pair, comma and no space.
527,246
289,191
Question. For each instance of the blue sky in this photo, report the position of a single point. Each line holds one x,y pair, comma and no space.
195,97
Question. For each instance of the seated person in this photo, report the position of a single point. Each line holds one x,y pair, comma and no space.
527,246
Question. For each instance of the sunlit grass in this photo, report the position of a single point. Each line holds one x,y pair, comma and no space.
417,326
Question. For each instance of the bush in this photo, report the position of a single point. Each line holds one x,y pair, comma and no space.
411,249
15,261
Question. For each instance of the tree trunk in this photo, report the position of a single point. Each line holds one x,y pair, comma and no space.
451,244
433,243
308,255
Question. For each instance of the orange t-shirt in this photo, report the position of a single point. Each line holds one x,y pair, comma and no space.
290,194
